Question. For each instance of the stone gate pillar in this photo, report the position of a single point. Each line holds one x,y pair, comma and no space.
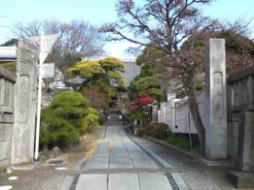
25,104
216,100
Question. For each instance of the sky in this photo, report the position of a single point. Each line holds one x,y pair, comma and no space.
98,12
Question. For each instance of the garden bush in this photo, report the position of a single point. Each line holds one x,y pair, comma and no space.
90,120
180,142
64,118
157,130
161,130
145,131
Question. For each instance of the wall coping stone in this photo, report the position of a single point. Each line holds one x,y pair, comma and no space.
241,75
8,75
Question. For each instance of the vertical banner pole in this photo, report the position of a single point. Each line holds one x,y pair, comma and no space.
37,136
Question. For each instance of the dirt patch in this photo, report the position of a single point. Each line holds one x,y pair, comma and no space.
86,141
86,148
90,143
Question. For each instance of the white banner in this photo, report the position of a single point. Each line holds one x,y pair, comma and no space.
48,70
47,41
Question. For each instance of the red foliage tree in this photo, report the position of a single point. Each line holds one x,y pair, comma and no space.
144,101
96,97
141,102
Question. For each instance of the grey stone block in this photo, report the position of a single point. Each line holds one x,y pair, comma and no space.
241,179
216,163
5,150
5,132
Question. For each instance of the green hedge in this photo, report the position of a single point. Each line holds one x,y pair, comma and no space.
64,119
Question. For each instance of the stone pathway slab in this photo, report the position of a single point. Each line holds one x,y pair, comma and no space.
123,182
154,182
92,182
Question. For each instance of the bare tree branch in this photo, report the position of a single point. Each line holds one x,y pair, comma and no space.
77,39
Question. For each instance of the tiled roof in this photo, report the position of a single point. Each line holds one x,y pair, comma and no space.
131,71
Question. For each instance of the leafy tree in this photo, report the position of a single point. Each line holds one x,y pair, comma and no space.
90,69
87,69
140,108
239,48
144,89
102,77
112,64
143,86
64,118
97,98
166,24
148,82
142,113
153,64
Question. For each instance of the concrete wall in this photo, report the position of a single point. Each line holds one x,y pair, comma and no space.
176,114
7,82
240,88
18,102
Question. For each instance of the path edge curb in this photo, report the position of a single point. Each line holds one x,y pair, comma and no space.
187,154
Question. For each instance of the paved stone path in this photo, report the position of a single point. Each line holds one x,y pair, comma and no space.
123,163
120,164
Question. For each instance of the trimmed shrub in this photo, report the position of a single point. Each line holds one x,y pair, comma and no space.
90,120
63,119
161,130
157,130
145,131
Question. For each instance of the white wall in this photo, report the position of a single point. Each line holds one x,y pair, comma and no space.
176,112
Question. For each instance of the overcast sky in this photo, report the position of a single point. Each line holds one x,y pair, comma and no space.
98,12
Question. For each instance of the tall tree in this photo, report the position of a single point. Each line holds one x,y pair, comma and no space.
239,47
166,24
102,80
77,39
